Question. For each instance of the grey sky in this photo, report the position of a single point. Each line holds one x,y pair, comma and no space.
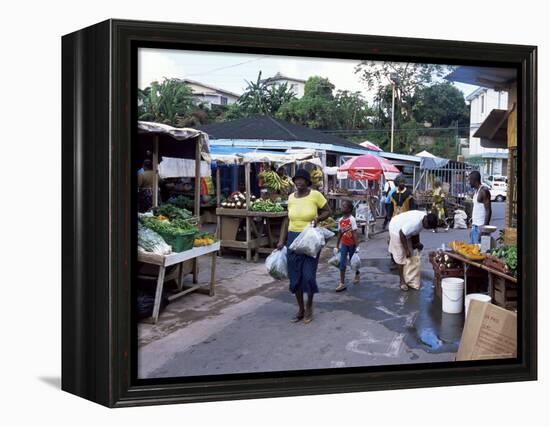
230,70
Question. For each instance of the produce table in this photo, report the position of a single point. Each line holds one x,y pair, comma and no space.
163,261
228,223
492,275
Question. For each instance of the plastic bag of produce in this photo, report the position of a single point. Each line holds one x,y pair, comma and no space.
335,259
150,241
460,219
355,262
276,264
311,241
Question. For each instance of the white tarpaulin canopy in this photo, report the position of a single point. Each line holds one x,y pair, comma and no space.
425,154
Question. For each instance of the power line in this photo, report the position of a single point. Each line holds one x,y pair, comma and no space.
227,66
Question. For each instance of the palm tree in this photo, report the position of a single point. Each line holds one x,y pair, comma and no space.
166,102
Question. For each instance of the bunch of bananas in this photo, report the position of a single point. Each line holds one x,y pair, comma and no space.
316,178
274,182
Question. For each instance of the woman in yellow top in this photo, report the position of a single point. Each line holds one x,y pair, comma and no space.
305,207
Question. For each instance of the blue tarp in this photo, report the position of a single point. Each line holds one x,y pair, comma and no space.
433,163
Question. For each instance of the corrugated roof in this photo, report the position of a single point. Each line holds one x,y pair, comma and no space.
269,128
491,77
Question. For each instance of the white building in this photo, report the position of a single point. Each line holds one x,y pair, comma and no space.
296,85
210,95
482,101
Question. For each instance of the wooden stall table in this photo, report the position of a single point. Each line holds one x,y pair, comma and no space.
163,261
228,225
492,275
271,220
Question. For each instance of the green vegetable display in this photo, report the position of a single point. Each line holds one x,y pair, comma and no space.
509,254
266,206
177,227
171,211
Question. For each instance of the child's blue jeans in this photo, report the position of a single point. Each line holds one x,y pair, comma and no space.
346,252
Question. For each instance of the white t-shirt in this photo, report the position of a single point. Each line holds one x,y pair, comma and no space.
410,223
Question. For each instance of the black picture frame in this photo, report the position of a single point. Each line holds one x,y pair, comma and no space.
98,244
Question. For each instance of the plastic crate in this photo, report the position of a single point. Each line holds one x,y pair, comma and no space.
180,243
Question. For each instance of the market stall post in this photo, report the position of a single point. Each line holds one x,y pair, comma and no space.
197,213
218,203
248,218
155,171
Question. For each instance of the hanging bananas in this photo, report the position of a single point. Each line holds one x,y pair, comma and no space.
274,182
316,178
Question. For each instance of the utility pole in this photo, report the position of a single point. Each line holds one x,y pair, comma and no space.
393,79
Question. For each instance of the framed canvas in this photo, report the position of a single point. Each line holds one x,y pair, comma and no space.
190,154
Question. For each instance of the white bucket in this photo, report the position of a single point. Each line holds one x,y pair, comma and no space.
452,295
477,297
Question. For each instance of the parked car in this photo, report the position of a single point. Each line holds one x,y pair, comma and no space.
498,194
497,182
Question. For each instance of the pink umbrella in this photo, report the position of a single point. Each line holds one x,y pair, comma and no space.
368,167
370,146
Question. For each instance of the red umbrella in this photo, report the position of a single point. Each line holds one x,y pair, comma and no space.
368,167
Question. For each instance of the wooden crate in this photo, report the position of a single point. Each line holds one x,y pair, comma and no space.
505,293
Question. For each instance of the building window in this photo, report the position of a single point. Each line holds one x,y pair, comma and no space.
223,100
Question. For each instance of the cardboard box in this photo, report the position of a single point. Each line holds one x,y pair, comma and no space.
490,332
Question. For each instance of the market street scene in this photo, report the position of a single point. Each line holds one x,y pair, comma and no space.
354,214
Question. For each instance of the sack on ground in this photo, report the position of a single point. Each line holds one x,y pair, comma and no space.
311,241
355,261
460,219
276,264
411,272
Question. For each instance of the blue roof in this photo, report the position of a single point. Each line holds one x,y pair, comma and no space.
229,150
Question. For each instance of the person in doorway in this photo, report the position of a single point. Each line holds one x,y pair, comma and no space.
402,198
347,242
305,207
405,231
389,189
481,211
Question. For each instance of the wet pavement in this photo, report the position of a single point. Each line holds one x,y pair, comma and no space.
246,327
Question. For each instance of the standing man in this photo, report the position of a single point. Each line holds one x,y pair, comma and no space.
481,212
389,189
402,199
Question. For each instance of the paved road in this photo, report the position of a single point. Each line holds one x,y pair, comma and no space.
246,327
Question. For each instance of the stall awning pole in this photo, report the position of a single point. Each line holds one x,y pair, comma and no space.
155,171
197,212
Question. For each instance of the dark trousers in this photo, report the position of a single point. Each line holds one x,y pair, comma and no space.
389,211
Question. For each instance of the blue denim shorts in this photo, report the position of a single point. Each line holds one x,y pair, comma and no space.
346,252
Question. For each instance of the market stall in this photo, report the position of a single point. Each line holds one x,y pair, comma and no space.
368,170
168,234
260,217
495,269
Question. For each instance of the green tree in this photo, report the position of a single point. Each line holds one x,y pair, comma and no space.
165,102
442,105
352,110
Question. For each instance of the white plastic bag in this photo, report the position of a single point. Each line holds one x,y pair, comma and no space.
276,264
355,262
335,259
311,241
460,219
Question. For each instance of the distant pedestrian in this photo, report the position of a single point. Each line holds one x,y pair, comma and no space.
305,207
347,242
389,189
402,198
